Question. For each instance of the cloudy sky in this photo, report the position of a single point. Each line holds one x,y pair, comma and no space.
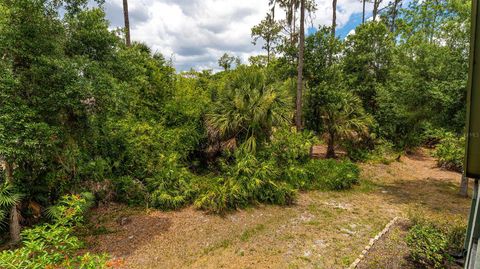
195,33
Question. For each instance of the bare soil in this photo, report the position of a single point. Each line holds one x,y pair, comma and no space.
322,230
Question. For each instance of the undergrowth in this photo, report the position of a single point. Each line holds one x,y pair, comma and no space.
54,245
432,240
273,175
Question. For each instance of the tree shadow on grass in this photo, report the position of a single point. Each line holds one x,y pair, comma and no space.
435,195
124,233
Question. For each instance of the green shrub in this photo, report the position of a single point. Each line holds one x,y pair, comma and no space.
428,245
130,191
287,146
50,246
357,153
97,169
298,176
231,194
154,156
70,210
54,245
220,197
384,152
143,147
248,181
450,152
171,187
433,237
331,174
380,151
455,233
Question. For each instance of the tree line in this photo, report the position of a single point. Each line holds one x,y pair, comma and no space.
86,109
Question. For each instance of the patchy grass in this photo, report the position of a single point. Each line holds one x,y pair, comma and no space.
249,233
222,244
322,230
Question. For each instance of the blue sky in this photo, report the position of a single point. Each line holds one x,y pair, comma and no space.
195,33
352,23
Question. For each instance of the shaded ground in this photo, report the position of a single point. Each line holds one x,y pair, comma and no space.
390,251
323,230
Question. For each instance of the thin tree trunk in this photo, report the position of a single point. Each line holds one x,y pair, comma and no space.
301,47
394,15
127,23
268,54
273,3
268,50
363,14
432,31
331,146
464,186
334,17
376,3
14,217
294,23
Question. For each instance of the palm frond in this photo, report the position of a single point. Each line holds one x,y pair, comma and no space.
8,196
247,109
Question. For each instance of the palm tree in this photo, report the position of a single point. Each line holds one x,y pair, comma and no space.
246,111
339,112
127,23
301,48
344,121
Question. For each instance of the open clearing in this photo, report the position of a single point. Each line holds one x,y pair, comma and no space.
323,230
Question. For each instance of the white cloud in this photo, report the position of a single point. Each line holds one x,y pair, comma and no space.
197,32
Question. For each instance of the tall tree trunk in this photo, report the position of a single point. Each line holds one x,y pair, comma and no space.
376,4
331,145
273,4
294,23
434,22
268,53
127,23
14,217
394,15
334,17
464,186
301,47
363,14
268,47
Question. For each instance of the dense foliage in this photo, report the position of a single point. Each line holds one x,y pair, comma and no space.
54,245
432,241
428,246
450,152
80,111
